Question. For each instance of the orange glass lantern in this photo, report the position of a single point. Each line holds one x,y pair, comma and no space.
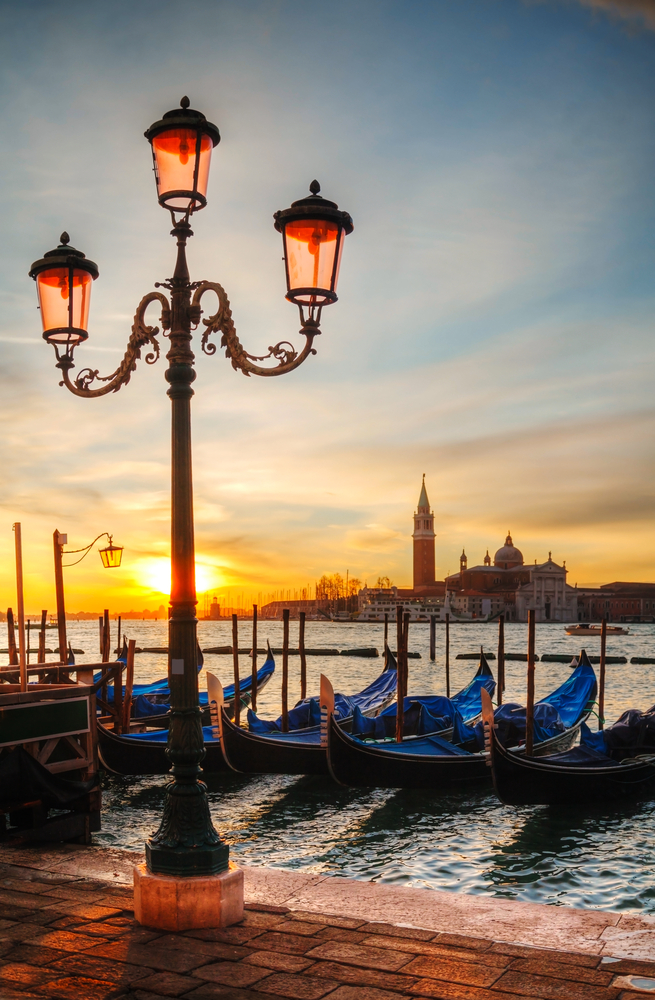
63,280
182,144
111,556
313,231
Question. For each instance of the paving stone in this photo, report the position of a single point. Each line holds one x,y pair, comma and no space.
523,951
66,940
87,911
560,970
298,927
215,991
627,967
21,932
254,918
457,991
362,993
355,954
629,995
149,955
297,987
293,944
367,977
266,907
349,923
229,935
403,932
20,974
438,949
213,949
167,983
145,995
119,973
340,934
278,961
80,988
469,973
12,994
34,955
26,900
231,973
529,985
463,941
25,885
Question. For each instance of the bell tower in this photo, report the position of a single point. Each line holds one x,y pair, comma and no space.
424,563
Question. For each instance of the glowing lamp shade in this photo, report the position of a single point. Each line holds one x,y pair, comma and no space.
313,231
111,556
182,144
63,279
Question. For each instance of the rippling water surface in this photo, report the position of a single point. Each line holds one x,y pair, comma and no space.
465,842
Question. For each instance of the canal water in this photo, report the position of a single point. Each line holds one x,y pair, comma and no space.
460,842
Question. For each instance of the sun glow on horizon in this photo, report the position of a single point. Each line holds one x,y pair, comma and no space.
154,575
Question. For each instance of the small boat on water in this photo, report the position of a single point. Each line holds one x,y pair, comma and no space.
145,753
300,751
434,763
305,751
581,775
585,628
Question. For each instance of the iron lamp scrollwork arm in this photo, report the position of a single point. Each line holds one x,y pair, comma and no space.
142,334
221,322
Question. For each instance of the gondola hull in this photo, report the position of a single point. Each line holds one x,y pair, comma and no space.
522,781
356,764
253,754
129,756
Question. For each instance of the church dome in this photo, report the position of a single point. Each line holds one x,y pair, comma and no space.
508,556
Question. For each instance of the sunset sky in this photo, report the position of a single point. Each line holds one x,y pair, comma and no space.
495,319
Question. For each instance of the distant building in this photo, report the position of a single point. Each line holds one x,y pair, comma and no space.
618,602
512,588
424,543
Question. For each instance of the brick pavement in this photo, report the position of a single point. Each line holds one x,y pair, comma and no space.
69,936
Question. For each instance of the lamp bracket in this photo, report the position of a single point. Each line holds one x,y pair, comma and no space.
284,353
142,334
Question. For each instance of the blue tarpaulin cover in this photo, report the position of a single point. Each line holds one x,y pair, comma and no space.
344,705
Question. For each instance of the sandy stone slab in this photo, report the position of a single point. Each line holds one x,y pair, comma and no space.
621,943
276,886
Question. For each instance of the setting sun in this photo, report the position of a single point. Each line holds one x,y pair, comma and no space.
155,574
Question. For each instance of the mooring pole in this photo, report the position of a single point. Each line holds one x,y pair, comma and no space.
601,679
529,711
501,659
433,637
447,655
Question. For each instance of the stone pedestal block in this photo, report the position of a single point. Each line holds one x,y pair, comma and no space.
184,904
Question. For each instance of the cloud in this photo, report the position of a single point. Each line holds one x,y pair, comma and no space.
640,11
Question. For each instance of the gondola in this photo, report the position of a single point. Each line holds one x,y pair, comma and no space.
299,751
305,751
432,762
581,775
144,753
151,702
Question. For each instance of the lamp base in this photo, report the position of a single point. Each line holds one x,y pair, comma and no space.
184,904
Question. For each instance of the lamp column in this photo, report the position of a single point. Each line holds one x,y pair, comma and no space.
186,843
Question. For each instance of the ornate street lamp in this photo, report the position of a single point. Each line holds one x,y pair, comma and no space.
313,231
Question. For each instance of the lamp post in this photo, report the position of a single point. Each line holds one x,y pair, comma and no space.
111,557
313,231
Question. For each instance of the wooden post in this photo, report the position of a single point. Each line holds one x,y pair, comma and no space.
11,638
21,607
601,680
253,684
501,659
400,693
118,640
41,655
129,686
529,709
285,671
433,637
447,655
303,658
27,643
58,542
106,637
406,618
386,628
118,697
235,664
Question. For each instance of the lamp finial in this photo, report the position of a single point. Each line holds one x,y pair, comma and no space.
185,102
314,187
64,239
